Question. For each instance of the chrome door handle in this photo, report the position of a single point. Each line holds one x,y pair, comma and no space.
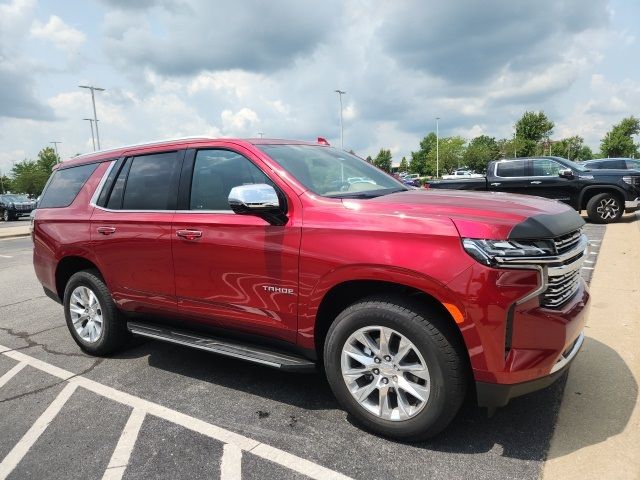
536,182
495,184
106,230
189,234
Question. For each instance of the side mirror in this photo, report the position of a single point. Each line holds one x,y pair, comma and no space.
260,200
566,173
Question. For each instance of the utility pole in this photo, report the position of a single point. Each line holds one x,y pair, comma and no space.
340,93
55,146
261,134
437,147
93,101
93,138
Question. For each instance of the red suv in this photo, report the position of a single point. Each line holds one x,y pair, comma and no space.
296,255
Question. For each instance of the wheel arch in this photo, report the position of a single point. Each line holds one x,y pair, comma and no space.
591,191
66,267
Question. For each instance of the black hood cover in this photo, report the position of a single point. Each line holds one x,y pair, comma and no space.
547,225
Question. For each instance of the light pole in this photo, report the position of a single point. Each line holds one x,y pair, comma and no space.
340,93
55,146
437,147
93,101
93,138
261,134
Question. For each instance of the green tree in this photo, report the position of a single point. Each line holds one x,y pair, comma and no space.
618,142
30,176
419,160
480,151
5,183
450,154
531,129
404,165
383,160
369,159
569,147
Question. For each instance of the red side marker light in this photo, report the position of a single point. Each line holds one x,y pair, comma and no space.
323,141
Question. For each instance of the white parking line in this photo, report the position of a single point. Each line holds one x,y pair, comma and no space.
241,442
11,373
21,448
6,256
231,463
122,453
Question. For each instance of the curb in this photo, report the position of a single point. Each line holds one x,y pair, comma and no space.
15,235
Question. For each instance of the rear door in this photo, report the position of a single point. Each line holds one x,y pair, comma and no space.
234,271
131,231
509,176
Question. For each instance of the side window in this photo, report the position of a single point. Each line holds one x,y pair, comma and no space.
64,186
619,164
215,173
633,164
146,185
512,168
543,167
115,199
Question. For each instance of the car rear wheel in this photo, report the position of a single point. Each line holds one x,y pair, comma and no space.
604,208
6,216
92,317
396,367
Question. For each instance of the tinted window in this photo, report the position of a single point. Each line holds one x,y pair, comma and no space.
618,164
115,199
594,165
147,185
64,185
215,173
515,168
544,167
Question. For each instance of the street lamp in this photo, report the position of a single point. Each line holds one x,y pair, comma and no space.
340,93
93,138
55,146
437,147
93,101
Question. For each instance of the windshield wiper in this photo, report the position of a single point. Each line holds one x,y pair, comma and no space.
368,193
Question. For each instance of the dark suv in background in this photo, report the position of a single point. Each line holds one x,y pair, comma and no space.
13,206
612,163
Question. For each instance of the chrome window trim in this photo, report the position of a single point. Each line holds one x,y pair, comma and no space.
103,180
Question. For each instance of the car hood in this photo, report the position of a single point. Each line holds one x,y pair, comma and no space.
610,172
490,215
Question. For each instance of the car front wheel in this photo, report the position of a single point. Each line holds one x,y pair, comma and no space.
604,208
396,367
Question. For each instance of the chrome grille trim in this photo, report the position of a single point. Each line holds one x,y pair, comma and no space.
565,242
568,356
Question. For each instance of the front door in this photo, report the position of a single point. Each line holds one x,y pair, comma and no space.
233,271
546,182
131,232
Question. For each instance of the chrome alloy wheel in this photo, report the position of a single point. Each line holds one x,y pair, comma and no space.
86,314
385,373
608,208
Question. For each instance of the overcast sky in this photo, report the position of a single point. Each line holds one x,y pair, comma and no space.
188,67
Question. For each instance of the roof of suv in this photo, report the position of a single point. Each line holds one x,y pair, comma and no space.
102,155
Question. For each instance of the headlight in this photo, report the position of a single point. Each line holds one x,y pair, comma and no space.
486,251
631,180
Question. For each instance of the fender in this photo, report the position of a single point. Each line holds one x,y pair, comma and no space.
310,303
602,188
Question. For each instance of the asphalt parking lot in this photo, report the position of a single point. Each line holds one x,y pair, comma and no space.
163,411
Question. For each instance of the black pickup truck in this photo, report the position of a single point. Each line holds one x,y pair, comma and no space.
604,194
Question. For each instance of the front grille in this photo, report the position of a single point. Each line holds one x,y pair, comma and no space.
560,288
564,243
23,208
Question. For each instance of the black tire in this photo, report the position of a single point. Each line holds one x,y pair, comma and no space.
114,334
430,331
6,216
604,208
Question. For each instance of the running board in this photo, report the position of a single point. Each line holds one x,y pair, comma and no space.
242,351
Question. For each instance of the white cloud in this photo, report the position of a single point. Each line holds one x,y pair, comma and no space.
59,33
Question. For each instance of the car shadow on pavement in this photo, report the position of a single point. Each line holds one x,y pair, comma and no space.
521,430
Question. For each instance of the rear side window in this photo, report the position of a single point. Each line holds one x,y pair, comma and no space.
64,186
146,183
514,168
633,164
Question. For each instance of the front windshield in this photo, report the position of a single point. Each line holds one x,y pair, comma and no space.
330,172
17,198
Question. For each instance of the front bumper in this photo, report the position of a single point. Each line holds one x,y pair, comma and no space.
498,395
632,205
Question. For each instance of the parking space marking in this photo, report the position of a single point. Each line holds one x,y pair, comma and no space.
231,463
21,448
241,442
122,453
6,256
11,373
